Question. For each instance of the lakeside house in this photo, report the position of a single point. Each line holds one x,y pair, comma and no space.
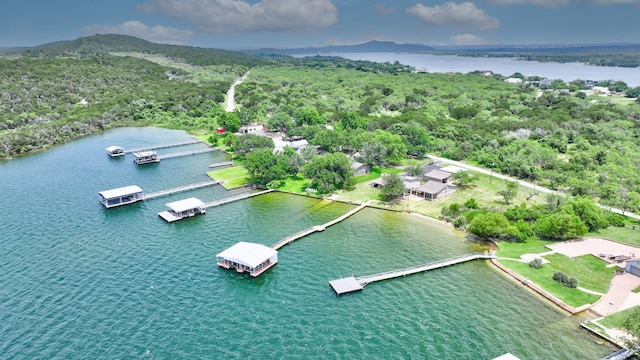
252,128
437,175
633,266
359,168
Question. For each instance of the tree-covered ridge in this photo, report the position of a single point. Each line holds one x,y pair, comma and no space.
47,101
104,44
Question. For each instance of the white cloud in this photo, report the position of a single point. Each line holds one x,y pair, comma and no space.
464,16
157,34
562,3
384,10
468,39
232,16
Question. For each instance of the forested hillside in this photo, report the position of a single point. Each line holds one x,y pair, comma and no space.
82,87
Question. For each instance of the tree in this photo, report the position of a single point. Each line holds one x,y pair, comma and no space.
307,115
492,225
509,192
560,226
632,326
229,121
463,179
328,172
250,142
392,186
590,214
633,93
351,120
280,121
264,167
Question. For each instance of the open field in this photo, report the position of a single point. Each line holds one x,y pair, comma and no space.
231,177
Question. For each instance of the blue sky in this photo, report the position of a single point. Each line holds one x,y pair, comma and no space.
246,24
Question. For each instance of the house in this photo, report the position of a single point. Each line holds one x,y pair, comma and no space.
514,81
252,128
433,190
359,168
633,266
437,175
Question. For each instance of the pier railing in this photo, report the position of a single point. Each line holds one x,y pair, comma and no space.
179,189
162,146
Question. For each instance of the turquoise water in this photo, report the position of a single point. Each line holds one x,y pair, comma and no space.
83,282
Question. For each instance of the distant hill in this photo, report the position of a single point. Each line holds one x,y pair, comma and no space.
104,44
371,46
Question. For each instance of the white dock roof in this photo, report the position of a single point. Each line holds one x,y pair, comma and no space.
249,254
114,148
119,192
144,153
186,204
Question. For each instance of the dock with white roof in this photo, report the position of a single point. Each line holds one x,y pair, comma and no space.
121,196
182,209
248,257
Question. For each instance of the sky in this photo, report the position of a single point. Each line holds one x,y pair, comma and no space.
251,24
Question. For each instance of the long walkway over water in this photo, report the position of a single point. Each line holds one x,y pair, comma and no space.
350,284
179,189
291,238
185,153
235,198
162,146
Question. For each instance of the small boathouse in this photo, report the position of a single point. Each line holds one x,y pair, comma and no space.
182,209
145,157
120,196
249,257
115,151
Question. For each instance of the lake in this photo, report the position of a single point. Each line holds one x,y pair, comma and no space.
83,282
504,66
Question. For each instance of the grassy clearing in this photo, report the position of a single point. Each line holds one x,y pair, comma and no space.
627,234
590,271
515,250
231,177
615,320
544,278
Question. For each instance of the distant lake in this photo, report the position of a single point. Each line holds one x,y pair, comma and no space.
504,66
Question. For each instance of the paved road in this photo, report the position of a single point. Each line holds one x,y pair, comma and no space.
526,184
229,103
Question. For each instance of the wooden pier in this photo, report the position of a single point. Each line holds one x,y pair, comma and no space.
179,189
185,153
162,146
350,284
235,198
316,228
220,164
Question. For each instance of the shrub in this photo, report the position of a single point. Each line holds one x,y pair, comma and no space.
536,263
616,220
471,204
565,279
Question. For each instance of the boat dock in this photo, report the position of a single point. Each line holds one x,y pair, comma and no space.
235,198
316,228
621,354
162,146
220,164
185,153
351,284
179,189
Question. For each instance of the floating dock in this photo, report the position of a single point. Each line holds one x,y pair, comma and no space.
351,284
220,164
115,151
145,157
317,228
250,257
181,209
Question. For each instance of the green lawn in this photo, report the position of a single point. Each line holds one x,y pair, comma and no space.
626,234
544,278
615,320
590,271
231,177
515,250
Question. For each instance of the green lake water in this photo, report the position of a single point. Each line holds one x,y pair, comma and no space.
79,281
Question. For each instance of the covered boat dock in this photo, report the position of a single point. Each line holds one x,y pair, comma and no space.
249,257
115,151
120,196
145,157
183,208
